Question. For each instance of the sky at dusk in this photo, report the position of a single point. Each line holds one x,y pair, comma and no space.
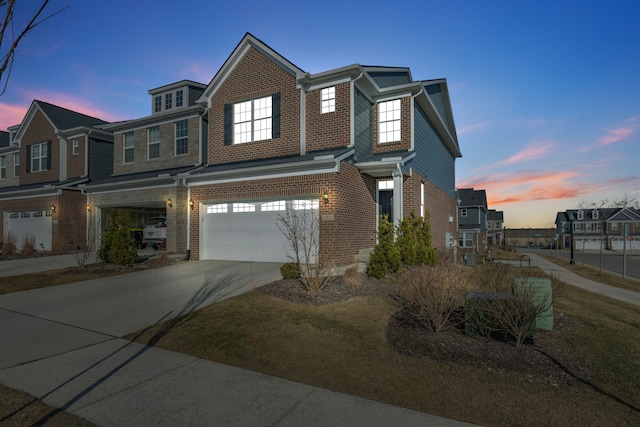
545,94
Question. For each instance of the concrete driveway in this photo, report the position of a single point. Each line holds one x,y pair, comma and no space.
48,321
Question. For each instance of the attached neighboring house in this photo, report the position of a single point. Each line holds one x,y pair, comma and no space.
599,228
472,212
495,227
150,154
49,154
348,144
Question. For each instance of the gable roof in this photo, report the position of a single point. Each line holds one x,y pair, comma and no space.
472,198
493,215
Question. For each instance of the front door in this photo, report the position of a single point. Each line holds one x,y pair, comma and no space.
385,203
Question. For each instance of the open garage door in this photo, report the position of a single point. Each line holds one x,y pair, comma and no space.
248,231
31,223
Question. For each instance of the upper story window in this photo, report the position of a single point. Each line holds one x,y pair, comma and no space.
580,215
75,146
3,167
127,146
389,121
16,165
614,225
168,99
328,100
158,104
182,137
153,142
179,99
463,212
252,120
40,160
595,214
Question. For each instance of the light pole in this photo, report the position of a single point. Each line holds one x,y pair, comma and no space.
571,261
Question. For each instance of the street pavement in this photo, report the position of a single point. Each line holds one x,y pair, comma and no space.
611,261
64,347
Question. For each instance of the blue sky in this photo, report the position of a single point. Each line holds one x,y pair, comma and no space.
545,94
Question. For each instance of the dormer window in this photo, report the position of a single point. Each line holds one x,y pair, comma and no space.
168,100
580,215
328,100
179,99
595,214
158,104
75,146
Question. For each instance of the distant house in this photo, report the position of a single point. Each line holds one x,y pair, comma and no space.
472,219
495,227
48,155
604,228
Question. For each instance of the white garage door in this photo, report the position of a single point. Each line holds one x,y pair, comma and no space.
618,244
248,231
29,223
587,244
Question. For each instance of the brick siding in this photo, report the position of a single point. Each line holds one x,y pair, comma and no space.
39,130
405,129
329,130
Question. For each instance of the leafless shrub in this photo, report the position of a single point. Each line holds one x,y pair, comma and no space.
432,297
9,246
82,252
59,246
300,224
352,277
28,246
493,277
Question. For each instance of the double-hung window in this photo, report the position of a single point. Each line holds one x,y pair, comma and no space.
3,167
168,99
75,147
153,142
16,164
182,137
252,120
128,147
39,156
328,100
158,104
389,121
179,99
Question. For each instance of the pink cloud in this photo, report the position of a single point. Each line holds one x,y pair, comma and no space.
619,133
474,127
537,150
11,115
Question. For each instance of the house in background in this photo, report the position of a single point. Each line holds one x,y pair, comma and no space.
49,154
472,213
150,156
348,144
495,227
595,228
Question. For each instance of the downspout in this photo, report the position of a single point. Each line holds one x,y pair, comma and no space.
353,112
188,252
397,195
413,117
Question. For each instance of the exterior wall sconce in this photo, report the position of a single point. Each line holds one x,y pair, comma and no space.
325,197
169,203
88,208
191,203
53,208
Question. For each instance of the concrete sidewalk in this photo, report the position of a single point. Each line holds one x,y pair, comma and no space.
573,279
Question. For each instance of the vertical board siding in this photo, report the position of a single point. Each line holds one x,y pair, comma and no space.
363,140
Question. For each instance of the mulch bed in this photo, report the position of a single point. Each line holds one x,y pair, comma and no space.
539,360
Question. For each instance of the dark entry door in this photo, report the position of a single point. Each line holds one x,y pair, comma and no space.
385,203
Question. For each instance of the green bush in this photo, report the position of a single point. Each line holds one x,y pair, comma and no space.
385,258
118,246
414,241
290,270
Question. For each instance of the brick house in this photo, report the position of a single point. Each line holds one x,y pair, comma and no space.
349,144
150,154
472,213
595,228
46,157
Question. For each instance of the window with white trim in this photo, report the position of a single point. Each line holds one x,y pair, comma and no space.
463,212
386,184
39,155
127,147
279,205
252,120
158,104
16,164
168,99
216,209
595,214
244,207
614,226
153,142
179,99
305,205
182,137
328,100
580,215
466,239
3,167
389,121
75,147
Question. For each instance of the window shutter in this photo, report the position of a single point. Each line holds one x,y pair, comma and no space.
275,123
228,123
28,159
48,145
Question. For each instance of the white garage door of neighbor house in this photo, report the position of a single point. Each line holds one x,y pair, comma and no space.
29,223
587,244
248,231
618,245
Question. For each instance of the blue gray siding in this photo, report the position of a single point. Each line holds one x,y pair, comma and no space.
100,159
435,95
433,160
390,78
363,140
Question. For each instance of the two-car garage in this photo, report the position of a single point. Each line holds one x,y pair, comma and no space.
29,224
249,231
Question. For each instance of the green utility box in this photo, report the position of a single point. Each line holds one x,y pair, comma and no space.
540,292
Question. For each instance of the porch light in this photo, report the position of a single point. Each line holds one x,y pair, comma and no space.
53,208
88,208
191,203
169,203
325,197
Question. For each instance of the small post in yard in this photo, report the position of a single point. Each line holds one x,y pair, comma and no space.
624,251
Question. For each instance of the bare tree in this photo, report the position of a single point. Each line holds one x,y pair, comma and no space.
13,32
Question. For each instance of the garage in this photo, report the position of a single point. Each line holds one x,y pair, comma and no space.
619,244
587,244
248,231
35,223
